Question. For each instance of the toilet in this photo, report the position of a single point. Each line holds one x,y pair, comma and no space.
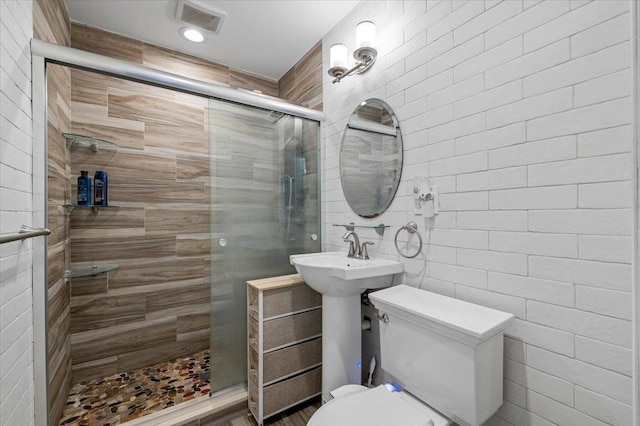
445,355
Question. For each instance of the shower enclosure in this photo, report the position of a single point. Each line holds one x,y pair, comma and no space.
206,193
265,207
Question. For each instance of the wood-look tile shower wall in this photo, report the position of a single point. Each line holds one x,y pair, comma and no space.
156,305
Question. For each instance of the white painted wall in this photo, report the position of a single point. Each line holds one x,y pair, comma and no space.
520,111
16,316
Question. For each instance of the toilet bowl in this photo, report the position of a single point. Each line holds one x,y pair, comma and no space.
379,406
446,353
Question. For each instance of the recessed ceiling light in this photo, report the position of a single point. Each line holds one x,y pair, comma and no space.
192,35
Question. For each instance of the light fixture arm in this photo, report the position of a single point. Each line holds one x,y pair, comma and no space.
366,61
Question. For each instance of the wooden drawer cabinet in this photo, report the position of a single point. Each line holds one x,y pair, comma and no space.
285,344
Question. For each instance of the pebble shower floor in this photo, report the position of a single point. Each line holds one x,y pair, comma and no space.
116,399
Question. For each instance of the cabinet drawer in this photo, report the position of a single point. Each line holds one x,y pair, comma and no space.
291,359
283,394
285,330
284,300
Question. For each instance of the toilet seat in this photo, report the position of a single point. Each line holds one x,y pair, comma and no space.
376,407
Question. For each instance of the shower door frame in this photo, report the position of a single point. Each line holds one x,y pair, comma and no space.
43,53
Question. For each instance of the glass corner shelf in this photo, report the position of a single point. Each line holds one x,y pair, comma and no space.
68,208
351,226
87,271
94,144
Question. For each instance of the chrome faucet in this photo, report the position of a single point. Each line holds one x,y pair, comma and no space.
355,248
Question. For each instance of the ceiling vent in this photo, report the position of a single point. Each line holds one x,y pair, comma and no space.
200,16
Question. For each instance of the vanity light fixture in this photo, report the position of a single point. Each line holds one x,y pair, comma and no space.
191,34
365,53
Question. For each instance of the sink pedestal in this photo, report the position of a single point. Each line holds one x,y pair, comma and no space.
341,279
341,342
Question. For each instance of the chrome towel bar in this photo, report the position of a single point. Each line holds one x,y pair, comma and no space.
24,233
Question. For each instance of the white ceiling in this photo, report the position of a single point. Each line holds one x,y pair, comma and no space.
266,37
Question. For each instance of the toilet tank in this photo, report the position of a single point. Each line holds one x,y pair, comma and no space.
445,351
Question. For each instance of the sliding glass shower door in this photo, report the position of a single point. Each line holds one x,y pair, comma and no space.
264,207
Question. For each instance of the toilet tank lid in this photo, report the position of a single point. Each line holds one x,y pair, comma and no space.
475,320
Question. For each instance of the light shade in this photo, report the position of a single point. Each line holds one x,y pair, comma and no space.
338,56
192,34
366,34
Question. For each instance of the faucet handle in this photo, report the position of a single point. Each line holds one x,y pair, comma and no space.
365,253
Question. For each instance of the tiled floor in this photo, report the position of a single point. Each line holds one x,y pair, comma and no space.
297,416
116,399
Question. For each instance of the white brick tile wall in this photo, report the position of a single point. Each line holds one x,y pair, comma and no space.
486,20
550,386
526,109
454,20
604,355
533,17
494,138
514,350
605,248
523,121
573,22
604,301
514,393
603,142
607,34
558,413
489,59
464,201
488,99
16,317
559,245
609,411
511,263
514,305
556,149
615,276
461,90
493,220
599,327
555,292
578,70
602,222
588,376
608,87
456,55
529,64
582,170
611,195
541,336
553,197
495,179
580,120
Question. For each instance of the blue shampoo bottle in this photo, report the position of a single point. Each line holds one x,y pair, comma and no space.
84,189
101,188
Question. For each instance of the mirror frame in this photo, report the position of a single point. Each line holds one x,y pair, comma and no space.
398,138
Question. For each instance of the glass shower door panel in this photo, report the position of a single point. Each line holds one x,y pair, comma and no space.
260,215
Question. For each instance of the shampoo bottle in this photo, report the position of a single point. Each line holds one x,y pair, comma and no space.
84,189
101,188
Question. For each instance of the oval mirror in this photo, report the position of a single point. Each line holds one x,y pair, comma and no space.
371,158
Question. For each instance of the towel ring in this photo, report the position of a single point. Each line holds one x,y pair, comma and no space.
412,228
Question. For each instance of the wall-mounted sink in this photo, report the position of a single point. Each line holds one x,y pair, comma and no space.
335,274
341,280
